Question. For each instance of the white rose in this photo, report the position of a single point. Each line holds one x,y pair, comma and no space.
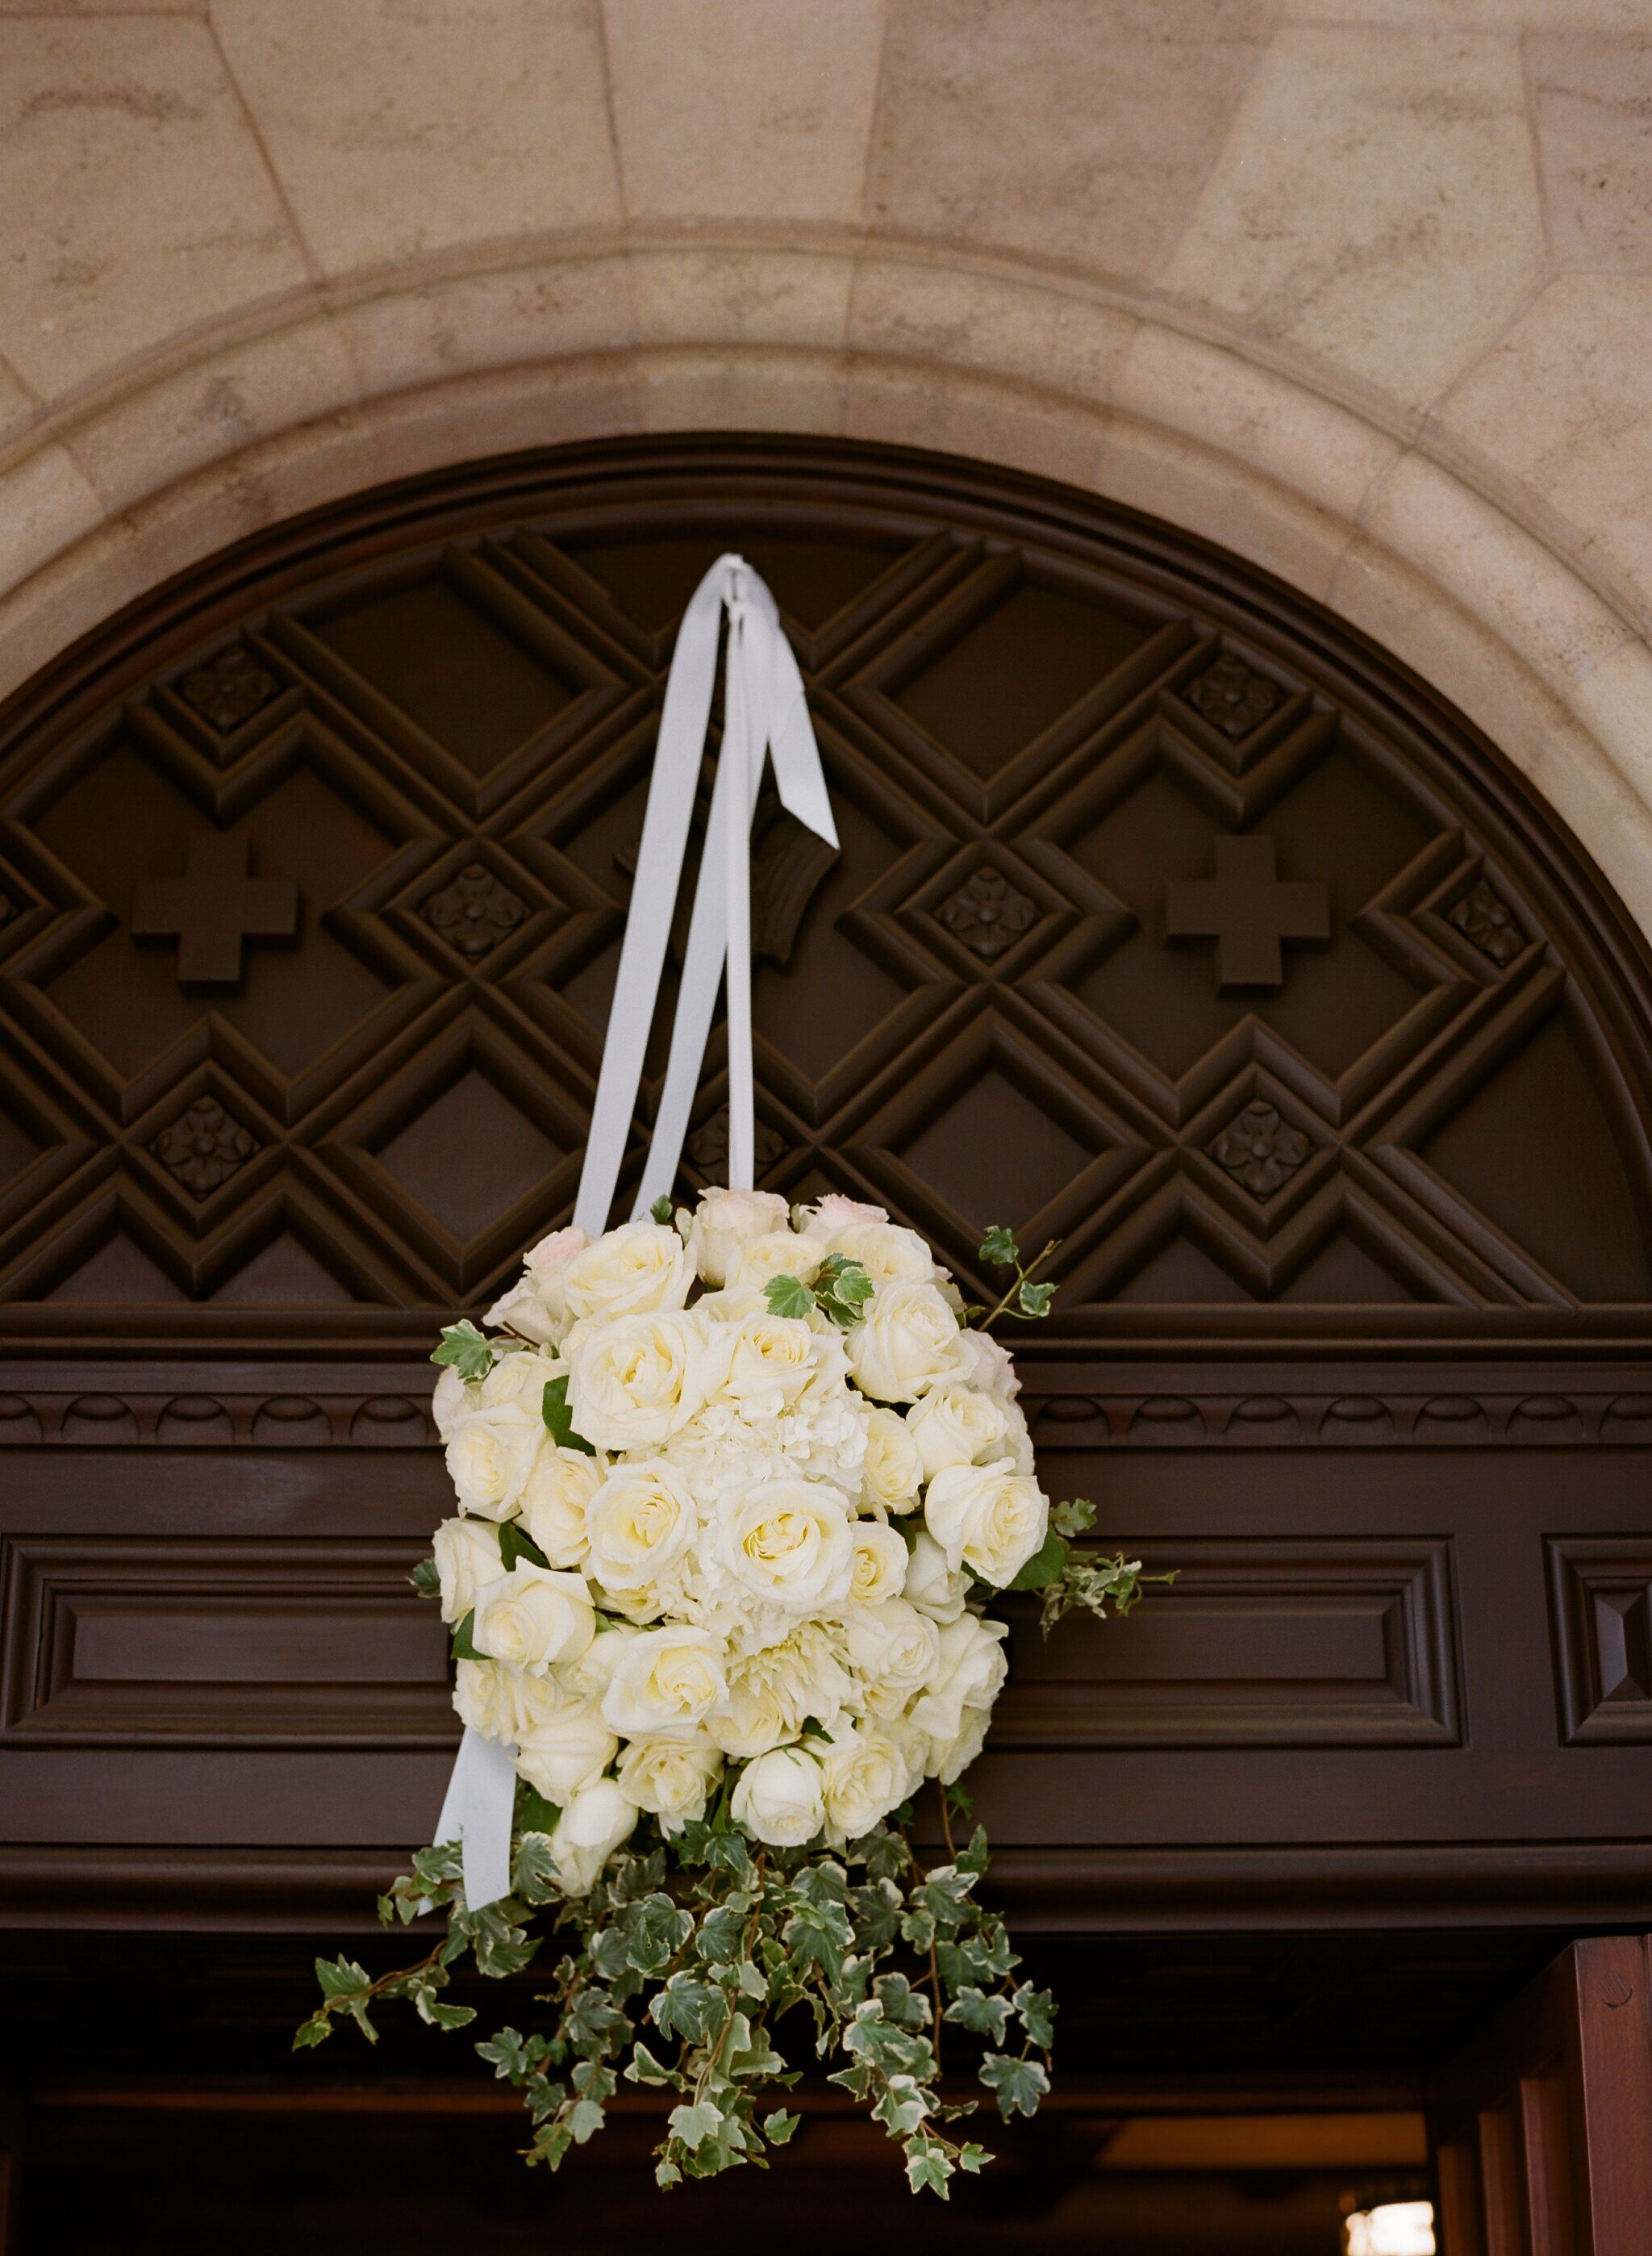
634,1380
879,1567
906,1342
666,1679
520,1377
953,1425
864,1776
949,1759
987,1363
726,1221
589,1677
932,1586
779,1799
466,1557
489,1457
892,1471
672,1778
500,1702
778,1253
534,1615
790,1541
835,1212
988,1517
771,1693
634,1270
894,1650
888,1254
523,1309
970,1673
640,1521
547,1263
1018,1438
555,1499
566,1752
591,1828
771,1360
451,1400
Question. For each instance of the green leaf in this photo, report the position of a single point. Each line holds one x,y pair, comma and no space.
341,1978
1037,2012
1018,2084
464,1347
463,1647
514,2057
667,2174
426,1579
533,1816
659,1932
1075,1517
661,1210
443,2017
314,2032
553,1408
583,2118
788,1296
985,2016
693,2125
514,1543
928,2166
643,2068
999,1247
779,2126
688,2008
1046,1565
1035,1299
958,1799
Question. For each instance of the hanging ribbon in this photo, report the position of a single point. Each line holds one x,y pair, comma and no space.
765,718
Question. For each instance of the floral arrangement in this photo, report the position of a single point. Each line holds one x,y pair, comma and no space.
736,1489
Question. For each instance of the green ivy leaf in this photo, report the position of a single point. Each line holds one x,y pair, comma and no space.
985,2016
553,1408
463,1647
788,1296
928,2166
693,2125
1017,2084
426,1580
464,1348
1075,1517
440,2016
1035,1300
514,1543
1046,1565
314,2032
1037,2012
779,2126
661,1210
999,1247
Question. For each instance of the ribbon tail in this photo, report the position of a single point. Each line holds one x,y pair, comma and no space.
788,731
476,1812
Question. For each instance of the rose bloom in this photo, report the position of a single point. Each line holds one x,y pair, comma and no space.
547,1263
665,1681
834,1212
907,1341
987,1363
589,1677
555,1497
933,1587
672,1778
892,1471
791,1541
641,1520
503,1703
771,1360
521,1376
954,1424
634,1380
778,1253
864,1776
770,1693
534,1615
879,1567
523,1309
466,1553
452,1400
894,1650
888,1254
726,1220
779,1799
988,1517
489,1457
592,1826
566,1751
949,1759
634,1270
970,1673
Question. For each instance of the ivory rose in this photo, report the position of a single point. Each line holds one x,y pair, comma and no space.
894,1649
524,1310
555,1499
834,1212
672,1778
893,1472
969,1673
988,1364
908,1340
636,1270
790,1541
452,1400
931,1585
988,1517
949,1759
521,1378
466,1553
864,1776
779,1799
888,1254
634,1380
501,1703
725,1221
534,1615
879,1566
489,1457
567,1751
591,1828
778,1253
772,1692
771,1360
954,1424
640,1521
667,1680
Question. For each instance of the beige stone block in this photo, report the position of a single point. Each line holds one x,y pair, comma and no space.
898,404
1212,393
46,504
215,407
1614,697
1375,205
399,128
1032,329
1475,15
103,7
1561,403
741,295
18,406
1078,132
1593,95
742,389
136,202
742,109
421,330
500,411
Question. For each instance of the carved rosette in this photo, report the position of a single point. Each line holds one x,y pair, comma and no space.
1259,1151
204,1146
474,912
987,913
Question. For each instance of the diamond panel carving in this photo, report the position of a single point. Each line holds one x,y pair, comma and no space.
204,1146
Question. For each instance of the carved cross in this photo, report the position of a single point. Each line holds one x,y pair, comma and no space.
214,909
1248,911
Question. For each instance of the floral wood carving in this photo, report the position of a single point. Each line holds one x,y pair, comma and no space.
1484,917
987,913
1233,697
708,1146
230,690
204,1146
474,912
1259,1151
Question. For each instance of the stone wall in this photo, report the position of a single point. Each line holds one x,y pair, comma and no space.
1360,288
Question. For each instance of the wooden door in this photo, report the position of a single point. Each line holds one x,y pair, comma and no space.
1541,2128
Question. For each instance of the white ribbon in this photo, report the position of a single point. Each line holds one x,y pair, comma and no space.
765,717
